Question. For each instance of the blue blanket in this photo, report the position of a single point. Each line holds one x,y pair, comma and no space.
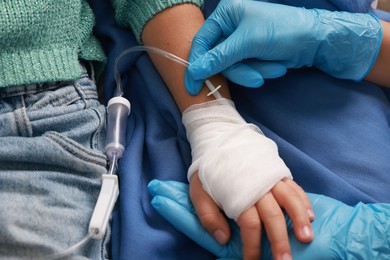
333,134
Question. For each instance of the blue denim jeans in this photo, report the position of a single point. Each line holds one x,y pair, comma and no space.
51,163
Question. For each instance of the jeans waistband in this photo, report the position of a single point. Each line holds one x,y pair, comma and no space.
38,87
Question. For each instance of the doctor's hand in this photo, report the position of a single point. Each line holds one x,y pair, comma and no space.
250,40
343,231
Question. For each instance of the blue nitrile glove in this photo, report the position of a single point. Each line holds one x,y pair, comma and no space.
342,44
341,231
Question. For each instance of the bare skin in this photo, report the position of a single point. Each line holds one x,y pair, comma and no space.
173,30
379,73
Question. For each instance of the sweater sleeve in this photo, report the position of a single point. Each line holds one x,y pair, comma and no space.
134,14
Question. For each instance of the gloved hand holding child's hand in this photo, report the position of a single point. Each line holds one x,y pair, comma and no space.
342,231
250,40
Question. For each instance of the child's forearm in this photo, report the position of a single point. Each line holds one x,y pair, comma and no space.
172,30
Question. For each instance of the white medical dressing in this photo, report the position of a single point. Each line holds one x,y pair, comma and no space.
236,163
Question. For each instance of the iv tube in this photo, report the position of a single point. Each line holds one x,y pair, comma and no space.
168,55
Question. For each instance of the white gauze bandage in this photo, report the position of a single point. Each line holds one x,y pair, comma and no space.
236,163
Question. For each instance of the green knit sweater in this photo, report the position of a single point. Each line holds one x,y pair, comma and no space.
43,40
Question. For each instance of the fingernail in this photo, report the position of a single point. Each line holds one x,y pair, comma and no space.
285,256
220,236
306,231
310,213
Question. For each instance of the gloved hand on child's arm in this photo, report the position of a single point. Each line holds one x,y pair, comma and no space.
242,37
342,231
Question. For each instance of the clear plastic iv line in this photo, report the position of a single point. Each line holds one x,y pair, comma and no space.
69,251
168,55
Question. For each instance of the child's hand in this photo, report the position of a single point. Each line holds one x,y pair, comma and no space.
237,169
267,211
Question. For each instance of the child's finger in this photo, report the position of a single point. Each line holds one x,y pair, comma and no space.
304,197
208,212
250,232
291,201
274,222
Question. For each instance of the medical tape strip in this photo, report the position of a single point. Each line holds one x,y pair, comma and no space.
236,163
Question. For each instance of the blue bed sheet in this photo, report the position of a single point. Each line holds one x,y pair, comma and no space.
333,134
